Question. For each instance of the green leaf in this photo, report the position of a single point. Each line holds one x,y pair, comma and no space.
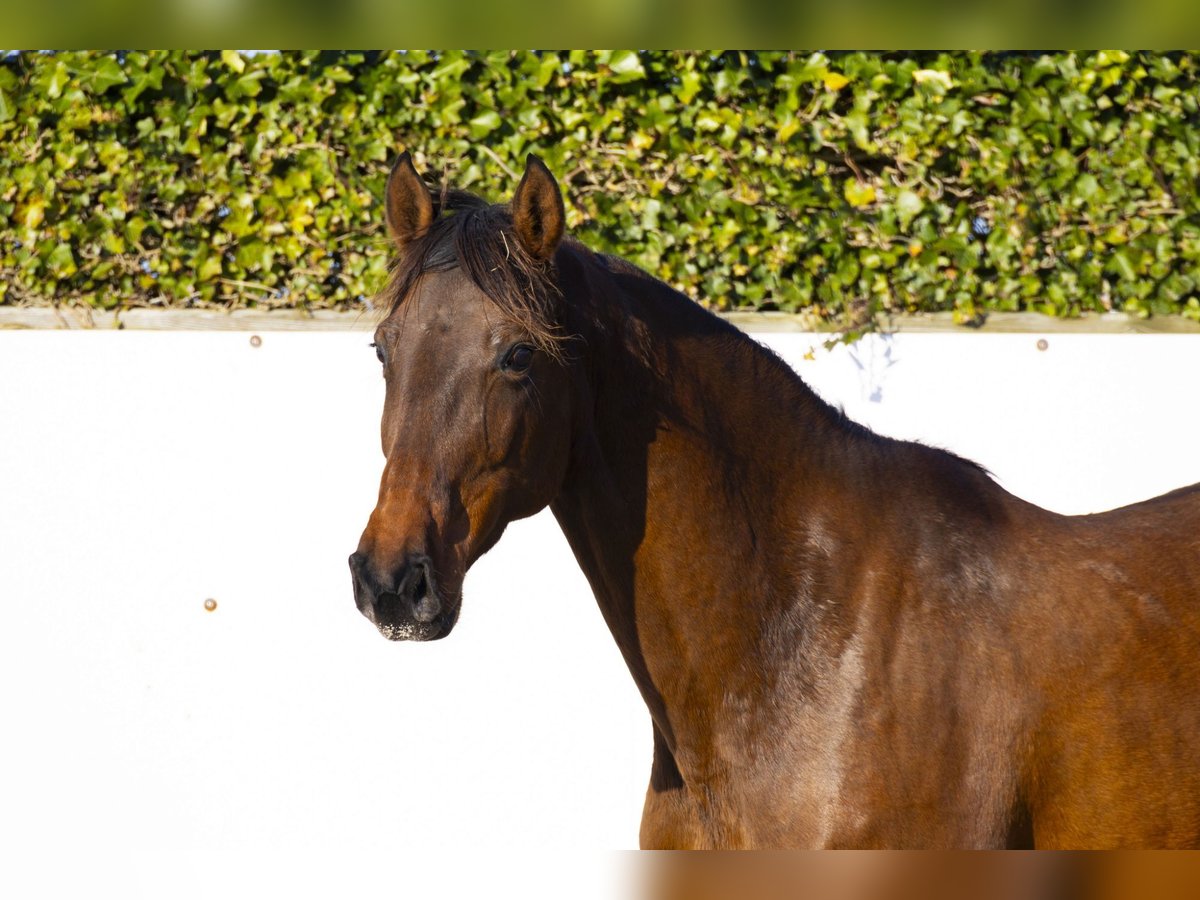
58,80
547,69
908,206
247,85
484,123
858,193
108,72
689,86
1086,186
856,124
1121,264
626,66
61,261
835,81
234,60
7,110
209,269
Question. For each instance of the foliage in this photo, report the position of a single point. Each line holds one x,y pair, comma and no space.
847,185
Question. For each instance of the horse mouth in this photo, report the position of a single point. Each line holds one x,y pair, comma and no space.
433,630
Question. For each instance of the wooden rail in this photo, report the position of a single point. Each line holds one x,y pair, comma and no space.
45,317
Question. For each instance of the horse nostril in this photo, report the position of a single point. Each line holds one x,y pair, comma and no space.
410,597
364,593
425,604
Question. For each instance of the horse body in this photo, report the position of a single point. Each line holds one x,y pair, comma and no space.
842,639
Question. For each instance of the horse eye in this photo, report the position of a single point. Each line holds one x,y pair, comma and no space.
519,358
379,353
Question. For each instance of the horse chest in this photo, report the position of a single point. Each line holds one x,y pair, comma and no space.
843,768
766,775
828,800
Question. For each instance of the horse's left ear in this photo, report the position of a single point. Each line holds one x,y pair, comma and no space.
537,208
409,207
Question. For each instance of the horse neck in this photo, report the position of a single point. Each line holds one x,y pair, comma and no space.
696,453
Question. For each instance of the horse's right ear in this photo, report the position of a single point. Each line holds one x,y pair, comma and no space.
408,203
538,214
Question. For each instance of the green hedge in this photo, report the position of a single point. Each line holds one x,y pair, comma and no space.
842,184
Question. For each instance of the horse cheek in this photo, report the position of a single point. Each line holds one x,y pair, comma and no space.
501,430
527,452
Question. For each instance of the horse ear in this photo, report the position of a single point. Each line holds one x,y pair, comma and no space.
538,214
409,206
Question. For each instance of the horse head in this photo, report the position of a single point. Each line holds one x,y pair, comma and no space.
476,425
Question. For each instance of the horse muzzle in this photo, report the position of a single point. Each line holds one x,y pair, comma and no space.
405,604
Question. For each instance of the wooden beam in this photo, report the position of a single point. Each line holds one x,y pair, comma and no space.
48,317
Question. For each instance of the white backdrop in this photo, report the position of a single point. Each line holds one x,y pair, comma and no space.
153,748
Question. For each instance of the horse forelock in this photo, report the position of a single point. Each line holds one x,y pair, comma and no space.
477,237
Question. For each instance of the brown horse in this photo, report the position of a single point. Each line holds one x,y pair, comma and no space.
843,640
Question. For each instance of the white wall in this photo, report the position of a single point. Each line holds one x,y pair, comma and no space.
152,748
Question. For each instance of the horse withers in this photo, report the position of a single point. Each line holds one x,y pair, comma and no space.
843,640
